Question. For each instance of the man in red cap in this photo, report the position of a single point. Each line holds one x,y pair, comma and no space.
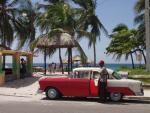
102,82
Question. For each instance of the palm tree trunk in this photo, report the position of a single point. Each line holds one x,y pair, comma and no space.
45,60
68,60
61,63
132,60
71,57
94,50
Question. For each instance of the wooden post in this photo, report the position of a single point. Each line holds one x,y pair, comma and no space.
1,63
61,63
16,65
29,64
4,61
2,74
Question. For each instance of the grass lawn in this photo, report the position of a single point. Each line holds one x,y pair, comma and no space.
137,72
146,81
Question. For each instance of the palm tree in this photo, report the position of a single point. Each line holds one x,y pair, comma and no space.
139,6
28,20
58,18
139,20
89,20
123,42
9,22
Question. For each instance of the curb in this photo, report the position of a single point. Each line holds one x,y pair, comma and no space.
147,86
139,98
138,78
14,95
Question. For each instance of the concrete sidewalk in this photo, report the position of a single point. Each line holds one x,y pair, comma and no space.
24,87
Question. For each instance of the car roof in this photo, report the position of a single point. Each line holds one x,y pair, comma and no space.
87,69
98,69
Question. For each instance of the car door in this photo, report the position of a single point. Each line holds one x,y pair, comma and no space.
79,86
94,83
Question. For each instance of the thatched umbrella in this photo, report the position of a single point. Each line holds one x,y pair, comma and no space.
63,40
89,61
76,58
65,61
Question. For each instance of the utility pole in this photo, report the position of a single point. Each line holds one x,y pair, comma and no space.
147,33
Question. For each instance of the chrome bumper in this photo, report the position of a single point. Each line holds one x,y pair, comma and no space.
140,93
39,91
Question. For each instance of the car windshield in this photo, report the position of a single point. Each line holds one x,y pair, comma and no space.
116,75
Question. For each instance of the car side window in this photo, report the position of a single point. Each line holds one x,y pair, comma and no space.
81,74
96,75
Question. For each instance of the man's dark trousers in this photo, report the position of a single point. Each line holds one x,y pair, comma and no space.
102,90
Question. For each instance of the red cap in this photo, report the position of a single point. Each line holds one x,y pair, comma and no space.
101,62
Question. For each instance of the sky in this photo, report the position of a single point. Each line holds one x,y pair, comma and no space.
110,13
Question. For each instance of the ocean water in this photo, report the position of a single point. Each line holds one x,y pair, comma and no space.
111,66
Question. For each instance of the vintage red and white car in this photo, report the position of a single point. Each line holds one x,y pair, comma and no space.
83,82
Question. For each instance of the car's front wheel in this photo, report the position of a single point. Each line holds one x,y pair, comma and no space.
114,96
52,93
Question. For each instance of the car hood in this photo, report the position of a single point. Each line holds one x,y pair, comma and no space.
131,81
123,82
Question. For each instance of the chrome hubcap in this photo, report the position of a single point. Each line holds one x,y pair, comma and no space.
115,96
52,93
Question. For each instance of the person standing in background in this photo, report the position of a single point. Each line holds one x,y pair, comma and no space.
50,68
53,67
23,69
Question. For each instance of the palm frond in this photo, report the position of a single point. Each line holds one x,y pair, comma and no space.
139,19
82,53
139,6
120,27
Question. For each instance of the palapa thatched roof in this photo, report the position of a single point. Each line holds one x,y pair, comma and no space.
76,58
65,61
4,47
89,61
64,40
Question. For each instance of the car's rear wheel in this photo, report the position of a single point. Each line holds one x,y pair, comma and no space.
114,96
52,93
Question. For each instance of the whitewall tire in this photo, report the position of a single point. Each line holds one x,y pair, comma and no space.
115,96
52,93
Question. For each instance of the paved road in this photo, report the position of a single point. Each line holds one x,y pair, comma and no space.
10,104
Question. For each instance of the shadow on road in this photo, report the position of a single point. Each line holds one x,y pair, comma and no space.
21,82
96,100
